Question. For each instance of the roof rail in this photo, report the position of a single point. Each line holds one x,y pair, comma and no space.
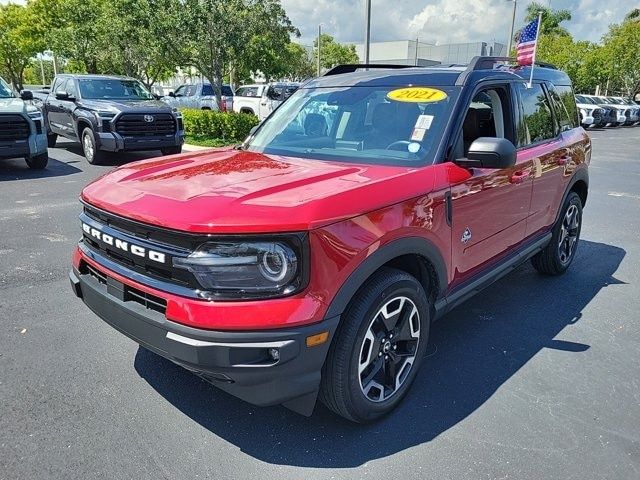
488,63
352,67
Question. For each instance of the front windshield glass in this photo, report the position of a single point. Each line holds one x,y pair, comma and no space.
113,89
384,125
5,90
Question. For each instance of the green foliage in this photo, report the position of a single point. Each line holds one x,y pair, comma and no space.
17,44
333,53
551,19
226,126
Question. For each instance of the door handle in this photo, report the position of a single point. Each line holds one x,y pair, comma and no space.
519,176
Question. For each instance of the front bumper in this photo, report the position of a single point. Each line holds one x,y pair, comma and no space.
36,144
239,363
586,121
114,142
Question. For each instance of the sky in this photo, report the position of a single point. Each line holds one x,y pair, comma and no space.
441,21
444,21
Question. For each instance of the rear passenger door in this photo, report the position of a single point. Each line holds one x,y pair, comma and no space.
544,133
490,207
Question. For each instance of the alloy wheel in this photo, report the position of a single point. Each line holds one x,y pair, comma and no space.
87,146
388,350
569,231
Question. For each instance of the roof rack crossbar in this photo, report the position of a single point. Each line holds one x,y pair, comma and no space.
352,67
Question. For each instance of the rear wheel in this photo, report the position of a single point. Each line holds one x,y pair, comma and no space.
90,147
378,349
52,138
172,150
558,255
38,162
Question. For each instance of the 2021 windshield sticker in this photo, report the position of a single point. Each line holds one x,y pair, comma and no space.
417,95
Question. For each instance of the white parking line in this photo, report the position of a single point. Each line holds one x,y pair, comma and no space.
39,208
623,194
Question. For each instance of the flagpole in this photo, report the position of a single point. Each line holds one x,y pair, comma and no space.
535,49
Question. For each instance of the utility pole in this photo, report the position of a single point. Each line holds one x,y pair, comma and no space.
513,22
42,69
415,63
319,41
367,30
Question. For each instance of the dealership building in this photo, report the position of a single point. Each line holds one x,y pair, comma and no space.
414,52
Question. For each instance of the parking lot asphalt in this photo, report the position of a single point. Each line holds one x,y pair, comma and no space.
534,378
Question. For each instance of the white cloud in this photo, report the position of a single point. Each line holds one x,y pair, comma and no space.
442,21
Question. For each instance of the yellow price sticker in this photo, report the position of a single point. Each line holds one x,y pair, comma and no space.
417,95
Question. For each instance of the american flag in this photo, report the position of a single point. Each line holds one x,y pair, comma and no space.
527,43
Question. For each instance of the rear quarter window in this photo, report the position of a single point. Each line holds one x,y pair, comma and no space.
565,107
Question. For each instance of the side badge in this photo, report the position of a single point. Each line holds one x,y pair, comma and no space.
466,235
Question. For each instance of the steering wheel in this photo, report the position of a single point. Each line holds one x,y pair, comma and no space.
402,143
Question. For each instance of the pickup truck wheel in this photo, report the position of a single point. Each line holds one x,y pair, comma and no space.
38,162
378,348
90,149
172,150
52,138
558,255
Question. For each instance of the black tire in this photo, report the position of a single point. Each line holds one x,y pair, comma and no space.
172,150
52,138
342,389
38,162
554,259
90,147
247,111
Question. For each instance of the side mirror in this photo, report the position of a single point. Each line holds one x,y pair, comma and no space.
490,152
26,95
62,95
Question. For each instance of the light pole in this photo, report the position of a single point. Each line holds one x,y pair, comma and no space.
319,41
367,30
513,22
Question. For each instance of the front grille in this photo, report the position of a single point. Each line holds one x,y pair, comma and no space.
13,127
135,125
597,114
131,294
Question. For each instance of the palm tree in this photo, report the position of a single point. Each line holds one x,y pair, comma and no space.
633,15
551,19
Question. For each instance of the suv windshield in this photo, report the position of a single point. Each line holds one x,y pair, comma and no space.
113,89
5,90
384,125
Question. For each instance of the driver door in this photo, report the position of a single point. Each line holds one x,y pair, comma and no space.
489,206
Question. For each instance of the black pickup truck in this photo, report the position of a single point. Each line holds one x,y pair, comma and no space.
109,113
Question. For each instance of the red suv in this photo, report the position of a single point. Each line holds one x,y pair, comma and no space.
311,260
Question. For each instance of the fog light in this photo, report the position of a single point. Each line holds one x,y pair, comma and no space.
274,354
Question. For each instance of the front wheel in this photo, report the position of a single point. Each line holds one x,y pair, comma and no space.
90,147
38,162
52,138
172,150
378,348
558,255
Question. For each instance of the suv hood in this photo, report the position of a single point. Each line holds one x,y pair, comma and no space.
232,191
12,105
126,106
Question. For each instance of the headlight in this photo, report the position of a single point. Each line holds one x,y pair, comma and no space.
245,269
35,115
104,115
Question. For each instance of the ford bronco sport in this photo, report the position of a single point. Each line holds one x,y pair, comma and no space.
21,129
311,260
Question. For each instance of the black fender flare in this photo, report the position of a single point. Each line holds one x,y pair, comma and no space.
581,174
83,117
396,248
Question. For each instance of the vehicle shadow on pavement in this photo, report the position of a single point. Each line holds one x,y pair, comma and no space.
473,351
111,159
17,169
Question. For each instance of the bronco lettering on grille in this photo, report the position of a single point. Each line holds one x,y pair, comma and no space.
124,246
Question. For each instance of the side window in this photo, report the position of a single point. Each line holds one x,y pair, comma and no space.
488,115
190,91
207,90
568,102
70,88
538,119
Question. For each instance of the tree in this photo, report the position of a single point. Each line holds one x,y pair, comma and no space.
333,53
633,15
17,45
219,36
551,19
132,48
621,46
